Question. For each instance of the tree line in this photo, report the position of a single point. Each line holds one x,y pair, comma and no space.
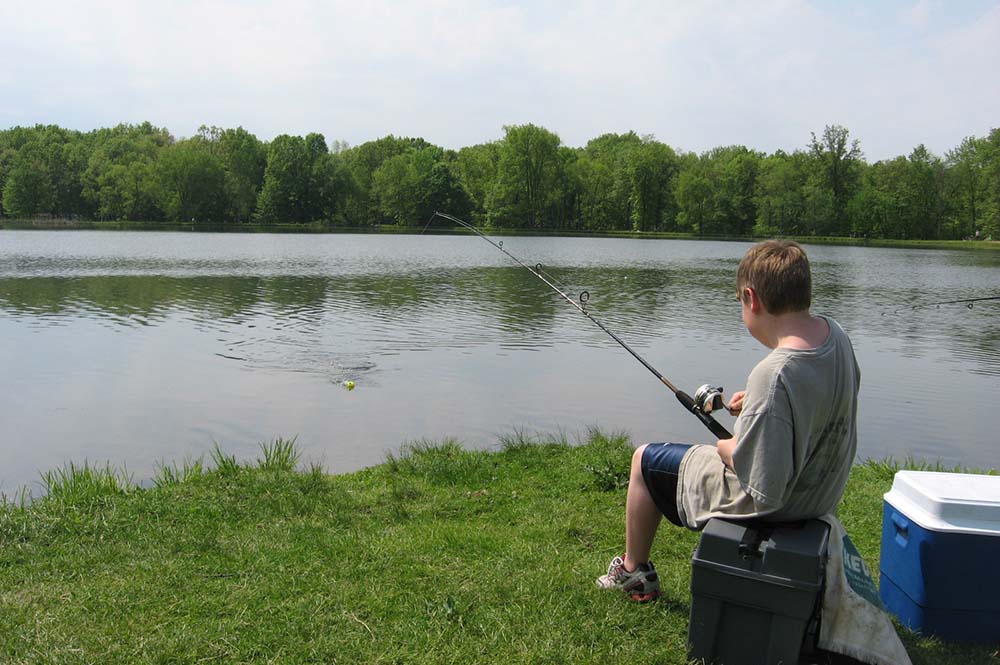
526,180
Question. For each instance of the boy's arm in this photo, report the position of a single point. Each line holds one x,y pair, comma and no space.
725,448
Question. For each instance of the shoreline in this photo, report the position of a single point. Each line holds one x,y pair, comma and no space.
326,228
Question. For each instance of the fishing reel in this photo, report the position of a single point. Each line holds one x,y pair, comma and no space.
709,398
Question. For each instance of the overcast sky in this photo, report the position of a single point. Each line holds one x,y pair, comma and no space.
694,74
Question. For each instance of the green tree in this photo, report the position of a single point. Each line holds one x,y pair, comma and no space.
597,209
192,182
120,180
695,200
565,194
923,192
870,208
966,186
361,162
991,170
396,185
652,167
890,215
303,182
526,180
63,154
332,187
716,191
901,198
282,199
605,181
736,169
28,189
780,194
838,160
525,192
411,186
618,153
65,157
244,159
445,191
476,167
70,201
319,193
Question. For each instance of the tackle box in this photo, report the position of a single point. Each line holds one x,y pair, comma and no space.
755,591
940,561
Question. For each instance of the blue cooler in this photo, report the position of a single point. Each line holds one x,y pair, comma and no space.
940,563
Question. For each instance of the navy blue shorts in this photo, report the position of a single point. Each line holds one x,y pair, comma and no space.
661,463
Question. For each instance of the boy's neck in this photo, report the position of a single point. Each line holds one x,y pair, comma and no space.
795,330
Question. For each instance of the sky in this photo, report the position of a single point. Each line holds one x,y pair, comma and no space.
695,75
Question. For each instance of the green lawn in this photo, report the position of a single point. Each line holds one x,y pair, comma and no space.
438,555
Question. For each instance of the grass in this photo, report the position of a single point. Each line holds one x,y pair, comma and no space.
439,555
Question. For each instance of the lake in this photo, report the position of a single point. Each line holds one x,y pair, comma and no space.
136,348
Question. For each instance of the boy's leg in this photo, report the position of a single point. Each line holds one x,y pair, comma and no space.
652,493
642,517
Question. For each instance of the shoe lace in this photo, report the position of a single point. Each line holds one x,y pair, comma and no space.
616,569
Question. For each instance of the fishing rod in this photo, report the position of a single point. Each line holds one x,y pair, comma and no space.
968,302
706,398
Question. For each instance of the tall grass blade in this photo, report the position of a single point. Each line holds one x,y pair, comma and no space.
225,465
171,474
74,484
279,455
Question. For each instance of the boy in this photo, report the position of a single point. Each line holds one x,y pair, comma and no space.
796,430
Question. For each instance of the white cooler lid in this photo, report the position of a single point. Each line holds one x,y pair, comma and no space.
951,502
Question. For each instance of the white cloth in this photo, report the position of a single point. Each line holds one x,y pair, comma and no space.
854,622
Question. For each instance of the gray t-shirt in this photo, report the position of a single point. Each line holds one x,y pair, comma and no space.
796,440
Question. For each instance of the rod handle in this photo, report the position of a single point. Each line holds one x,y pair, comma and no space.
714,426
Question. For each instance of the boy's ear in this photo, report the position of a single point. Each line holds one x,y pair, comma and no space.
752,299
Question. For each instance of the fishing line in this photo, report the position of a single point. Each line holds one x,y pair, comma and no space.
536,269
968,302
706,396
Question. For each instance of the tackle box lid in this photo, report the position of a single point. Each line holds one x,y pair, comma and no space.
782,554
948,502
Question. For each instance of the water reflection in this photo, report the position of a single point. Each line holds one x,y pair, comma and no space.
462,307
244,337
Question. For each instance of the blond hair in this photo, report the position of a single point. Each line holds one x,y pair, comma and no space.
778,270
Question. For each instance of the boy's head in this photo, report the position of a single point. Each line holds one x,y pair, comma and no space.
778,272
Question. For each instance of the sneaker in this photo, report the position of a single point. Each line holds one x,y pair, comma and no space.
641,584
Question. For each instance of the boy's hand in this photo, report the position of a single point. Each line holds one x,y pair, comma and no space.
736,403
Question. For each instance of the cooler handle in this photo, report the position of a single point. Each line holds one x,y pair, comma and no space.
902,529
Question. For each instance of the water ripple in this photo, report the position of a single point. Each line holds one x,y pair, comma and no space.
254,335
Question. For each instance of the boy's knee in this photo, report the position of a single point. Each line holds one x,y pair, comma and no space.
637,456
